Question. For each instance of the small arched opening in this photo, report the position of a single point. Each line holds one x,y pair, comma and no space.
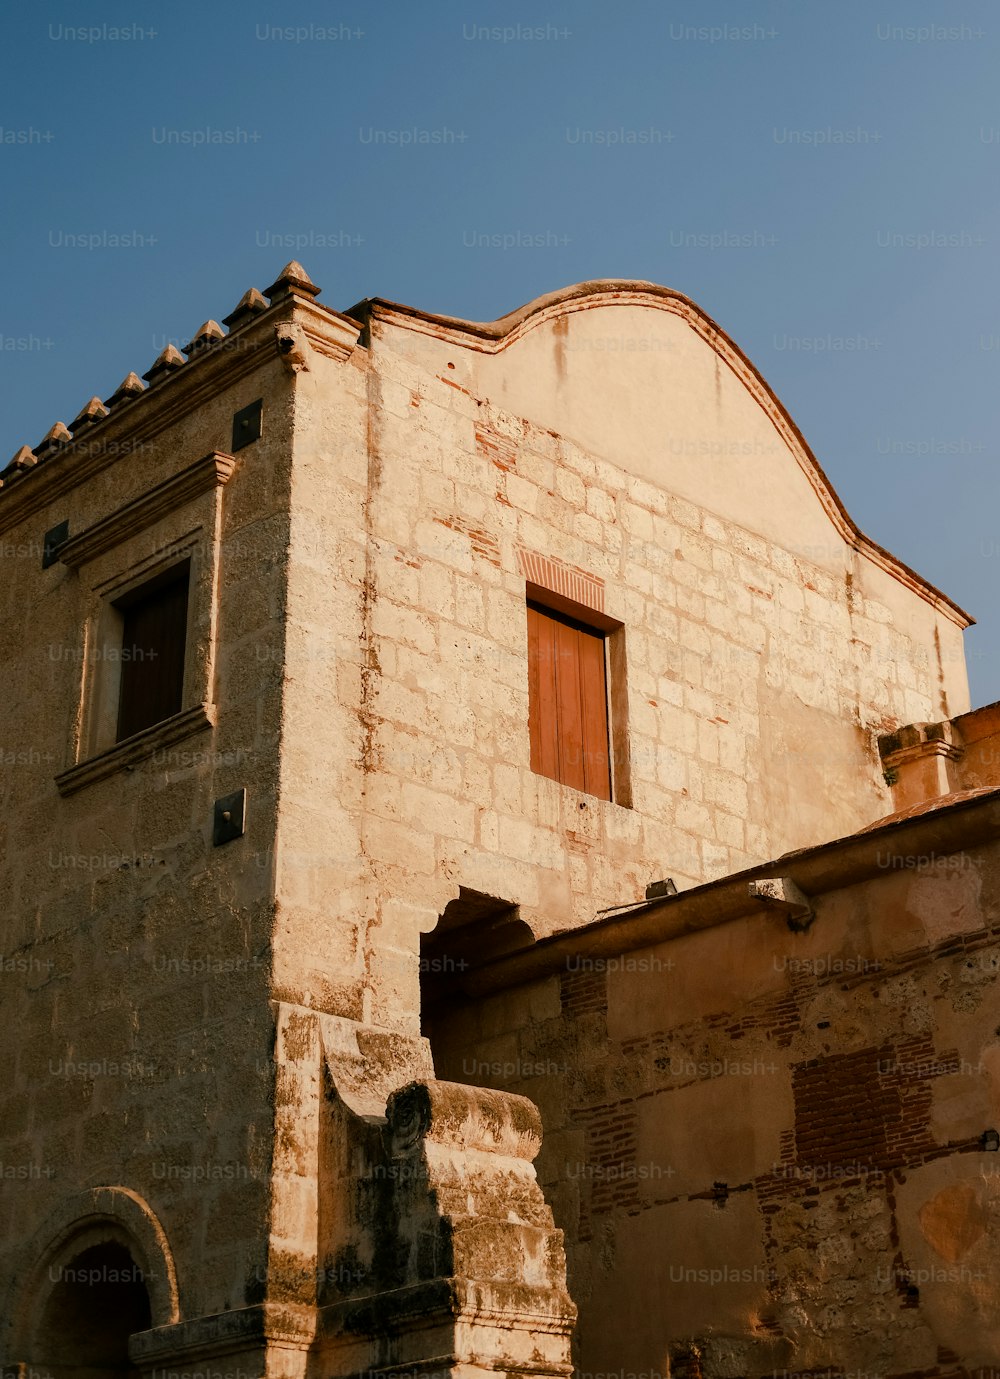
473,929
97,1299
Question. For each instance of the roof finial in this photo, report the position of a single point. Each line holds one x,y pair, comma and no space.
54,439
131,386
292,278
206,334
165,362
249,305
24,459
94,412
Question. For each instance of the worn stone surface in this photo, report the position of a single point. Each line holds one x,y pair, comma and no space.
218,1037
769,1145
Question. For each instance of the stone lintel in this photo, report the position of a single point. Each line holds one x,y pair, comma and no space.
209,472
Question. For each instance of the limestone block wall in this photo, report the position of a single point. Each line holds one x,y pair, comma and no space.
135,956
359,652
772,1151
760,656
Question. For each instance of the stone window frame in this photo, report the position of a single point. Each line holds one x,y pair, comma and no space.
176,522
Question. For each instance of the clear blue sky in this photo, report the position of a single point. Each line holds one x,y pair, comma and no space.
824,179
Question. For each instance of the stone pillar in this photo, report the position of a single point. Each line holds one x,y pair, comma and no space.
465,1235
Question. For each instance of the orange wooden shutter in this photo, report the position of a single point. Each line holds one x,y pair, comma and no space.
568,711
594,700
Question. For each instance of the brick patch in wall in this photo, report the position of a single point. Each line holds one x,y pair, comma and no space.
777,1017
583,993
499,450
869,1107
609,1173
559,578
484,544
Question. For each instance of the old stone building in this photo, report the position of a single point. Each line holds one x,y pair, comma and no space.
403,716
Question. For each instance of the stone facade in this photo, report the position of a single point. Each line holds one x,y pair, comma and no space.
242,1051
769,1147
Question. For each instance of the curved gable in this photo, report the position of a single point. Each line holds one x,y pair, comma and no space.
640,374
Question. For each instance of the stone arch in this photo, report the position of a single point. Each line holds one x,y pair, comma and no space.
471,928
106,1225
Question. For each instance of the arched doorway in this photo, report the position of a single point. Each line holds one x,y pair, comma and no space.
97,1271
98,1298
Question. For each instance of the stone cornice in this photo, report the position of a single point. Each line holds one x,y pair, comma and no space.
205,474
135,422
905,755
329,332
493,336
224,1333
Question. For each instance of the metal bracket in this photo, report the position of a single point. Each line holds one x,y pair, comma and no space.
248,424
230,818
55,538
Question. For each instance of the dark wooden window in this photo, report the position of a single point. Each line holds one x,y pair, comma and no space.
568,701
154,631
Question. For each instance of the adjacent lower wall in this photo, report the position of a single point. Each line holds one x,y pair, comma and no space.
766,1147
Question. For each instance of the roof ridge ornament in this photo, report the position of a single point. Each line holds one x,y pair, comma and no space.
90,415
251,304
54,439
24,459
131,386
165,362
208,333
292,278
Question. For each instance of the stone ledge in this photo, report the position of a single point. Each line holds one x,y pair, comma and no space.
123,755
916,738
201,477
225,1333
514,1306
461,1117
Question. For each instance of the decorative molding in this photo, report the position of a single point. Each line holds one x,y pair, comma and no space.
201,477
892,761
329,332
124,755
916,740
